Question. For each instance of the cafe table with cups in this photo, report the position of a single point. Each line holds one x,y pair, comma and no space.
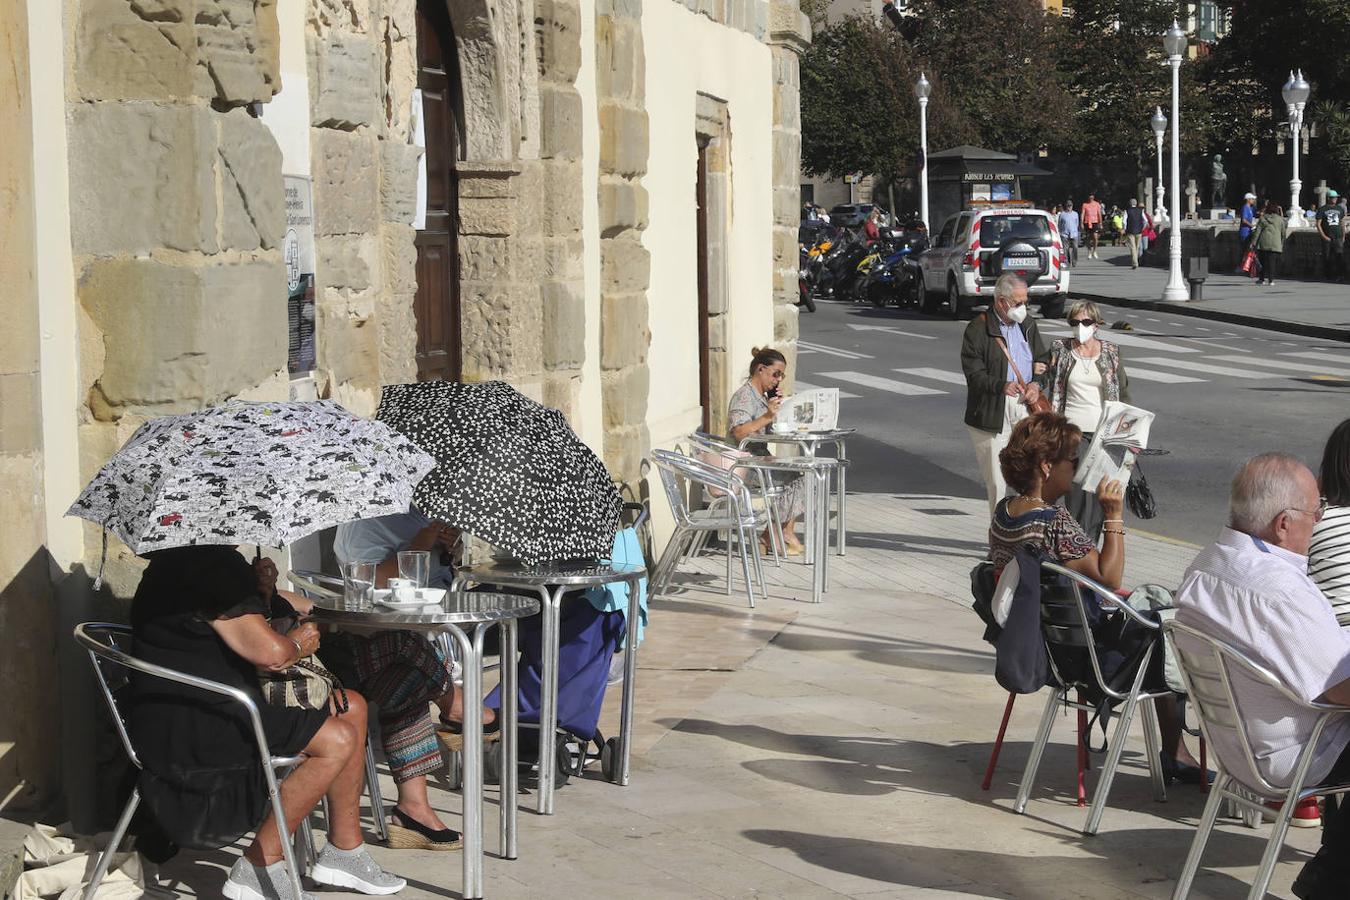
459,619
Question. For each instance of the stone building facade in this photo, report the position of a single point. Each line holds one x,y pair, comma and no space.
595,200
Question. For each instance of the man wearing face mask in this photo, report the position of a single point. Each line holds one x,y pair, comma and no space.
1085,371
1001,355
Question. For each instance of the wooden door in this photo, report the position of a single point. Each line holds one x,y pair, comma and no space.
704,373
437,302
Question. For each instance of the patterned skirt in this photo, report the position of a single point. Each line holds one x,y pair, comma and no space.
402,673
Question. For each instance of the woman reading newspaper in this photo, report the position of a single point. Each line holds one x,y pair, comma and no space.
753,409
1038,463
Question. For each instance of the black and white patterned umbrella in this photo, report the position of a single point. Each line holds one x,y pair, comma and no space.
508,470
251,473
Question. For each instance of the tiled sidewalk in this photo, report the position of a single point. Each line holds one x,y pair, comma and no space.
835,750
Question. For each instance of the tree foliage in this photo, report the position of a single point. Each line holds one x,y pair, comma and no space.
859,112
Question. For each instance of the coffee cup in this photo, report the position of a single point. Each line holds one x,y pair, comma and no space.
403,590
782,427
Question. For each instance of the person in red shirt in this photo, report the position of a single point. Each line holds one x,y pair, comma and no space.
1092,214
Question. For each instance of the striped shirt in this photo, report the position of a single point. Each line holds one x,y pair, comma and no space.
1329,559
1258,599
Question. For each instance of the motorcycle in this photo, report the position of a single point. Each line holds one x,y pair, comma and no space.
894,277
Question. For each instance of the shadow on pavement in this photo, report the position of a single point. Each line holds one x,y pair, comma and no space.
905,653
988,874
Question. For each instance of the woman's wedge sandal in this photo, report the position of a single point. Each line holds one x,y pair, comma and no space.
406,833
451,732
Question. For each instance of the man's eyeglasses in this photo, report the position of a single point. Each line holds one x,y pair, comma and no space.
1077,322
1317,514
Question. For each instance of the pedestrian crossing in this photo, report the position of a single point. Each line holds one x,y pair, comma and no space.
1159,359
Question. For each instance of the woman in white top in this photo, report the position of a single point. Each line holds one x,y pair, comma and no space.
1084,372
1329,552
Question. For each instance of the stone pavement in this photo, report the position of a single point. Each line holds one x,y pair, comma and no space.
1310,308
835,750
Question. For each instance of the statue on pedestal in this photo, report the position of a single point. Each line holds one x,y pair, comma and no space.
1218,182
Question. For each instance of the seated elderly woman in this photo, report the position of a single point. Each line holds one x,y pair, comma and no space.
752,410
203,611
1039,463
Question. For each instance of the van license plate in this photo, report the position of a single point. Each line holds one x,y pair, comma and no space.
1021,262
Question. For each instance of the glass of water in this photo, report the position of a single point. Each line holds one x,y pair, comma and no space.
415,565
358,585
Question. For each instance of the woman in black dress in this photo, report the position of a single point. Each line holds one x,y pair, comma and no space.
203,611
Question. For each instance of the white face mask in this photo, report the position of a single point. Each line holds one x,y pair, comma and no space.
1017,314
1084,333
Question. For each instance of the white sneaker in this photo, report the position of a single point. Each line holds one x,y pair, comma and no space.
354,869
250,882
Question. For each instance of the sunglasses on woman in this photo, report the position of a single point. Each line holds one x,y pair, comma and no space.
1077,322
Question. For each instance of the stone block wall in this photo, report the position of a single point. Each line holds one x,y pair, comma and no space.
789,33
361,58
625,263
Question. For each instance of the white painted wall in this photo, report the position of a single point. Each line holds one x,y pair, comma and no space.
55,276
687,54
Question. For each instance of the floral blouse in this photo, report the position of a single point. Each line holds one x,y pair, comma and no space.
1115,384
1050,531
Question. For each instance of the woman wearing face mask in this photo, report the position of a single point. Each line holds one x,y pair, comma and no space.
1084,372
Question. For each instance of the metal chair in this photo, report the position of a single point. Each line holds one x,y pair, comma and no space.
101,640
310,583
759,479
1065,624
1207,667
738,518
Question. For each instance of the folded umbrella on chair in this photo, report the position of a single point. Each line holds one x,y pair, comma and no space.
508,470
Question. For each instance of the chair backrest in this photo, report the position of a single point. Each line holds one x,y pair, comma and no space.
107,642
715,452
677,470
1207,666
312,583
1066,623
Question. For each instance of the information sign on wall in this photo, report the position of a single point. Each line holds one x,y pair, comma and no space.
299,256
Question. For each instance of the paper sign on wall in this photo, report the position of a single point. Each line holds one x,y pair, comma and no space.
298,250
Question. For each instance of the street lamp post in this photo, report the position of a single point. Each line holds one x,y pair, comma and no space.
1174,42
922,89
1159,125
1295,93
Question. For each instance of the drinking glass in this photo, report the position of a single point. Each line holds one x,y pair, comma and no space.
358,585
415,565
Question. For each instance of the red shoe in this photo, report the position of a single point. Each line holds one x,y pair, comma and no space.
1307,814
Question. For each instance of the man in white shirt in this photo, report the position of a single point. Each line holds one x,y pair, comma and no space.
1251,590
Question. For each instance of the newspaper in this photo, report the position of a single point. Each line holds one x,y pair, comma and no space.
1121,433
814,410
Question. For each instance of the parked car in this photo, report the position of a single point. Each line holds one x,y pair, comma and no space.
852,215
976,246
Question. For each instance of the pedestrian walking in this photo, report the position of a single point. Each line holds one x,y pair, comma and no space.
1001,353
1084,372
1134,230
1331,228
1092,215
1269,241
1116,224
1067,220
1247,217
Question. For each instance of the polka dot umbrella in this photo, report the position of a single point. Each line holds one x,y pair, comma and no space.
508,470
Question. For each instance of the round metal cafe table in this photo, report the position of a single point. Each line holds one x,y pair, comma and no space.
809,442
551,581
457,615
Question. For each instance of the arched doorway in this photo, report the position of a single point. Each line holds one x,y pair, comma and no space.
437,302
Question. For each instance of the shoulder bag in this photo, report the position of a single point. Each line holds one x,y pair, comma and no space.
1041,403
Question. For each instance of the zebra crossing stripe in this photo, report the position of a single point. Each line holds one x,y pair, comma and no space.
1311,367
821,348
1134,372
803,386
936,375
1326,357
1187,365
882,384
